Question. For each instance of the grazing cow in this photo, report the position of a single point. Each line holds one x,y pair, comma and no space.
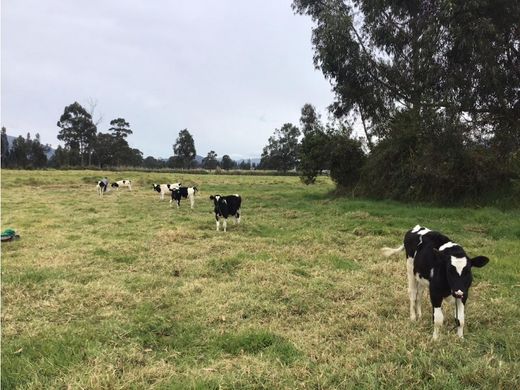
183,192
164,188
102,186
226,206
434,261
122,183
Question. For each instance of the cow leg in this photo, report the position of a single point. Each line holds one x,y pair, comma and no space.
218,223
418,299
459,315
438,317
412,287
192,202
237,217
178,203
224,223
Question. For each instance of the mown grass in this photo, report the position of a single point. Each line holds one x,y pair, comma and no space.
125,292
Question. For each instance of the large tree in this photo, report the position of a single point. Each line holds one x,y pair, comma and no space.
228,163
419,73
210,161
78,132
184,148
281,152
37,153
460,56
315,148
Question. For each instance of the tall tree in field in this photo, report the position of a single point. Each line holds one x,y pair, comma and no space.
78,132
5,148
281,152
228,163
19,154
184,148
315,148
122,154
37,155
210,161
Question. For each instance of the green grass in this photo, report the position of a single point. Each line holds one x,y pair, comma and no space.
124,291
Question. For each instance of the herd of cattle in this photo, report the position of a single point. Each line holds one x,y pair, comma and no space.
225,206
433,260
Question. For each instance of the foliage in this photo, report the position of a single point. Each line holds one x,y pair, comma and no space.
5,148
227,163
346,161
449,68
78,132
210,161
315,147
24,152
120,128
281,152
184,149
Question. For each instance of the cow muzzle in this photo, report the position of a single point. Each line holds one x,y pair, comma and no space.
458,294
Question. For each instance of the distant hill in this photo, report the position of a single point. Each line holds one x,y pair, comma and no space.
50,151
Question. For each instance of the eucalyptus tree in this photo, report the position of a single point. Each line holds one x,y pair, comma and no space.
184,149
78,132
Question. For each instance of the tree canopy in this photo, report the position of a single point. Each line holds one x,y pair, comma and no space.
184,149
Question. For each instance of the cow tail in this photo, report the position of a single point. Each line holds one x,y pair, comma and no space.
387,252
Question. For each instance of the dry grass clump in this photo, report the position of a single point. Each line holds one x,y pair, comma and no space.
124,291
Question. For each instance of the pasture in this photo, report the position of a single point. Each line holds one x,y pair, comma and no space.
124,291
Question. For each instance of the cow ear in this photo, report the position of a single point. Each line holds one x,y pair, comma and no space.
479,261
211,197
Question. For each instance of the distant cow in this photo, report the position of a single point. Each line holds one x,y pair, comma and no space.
102,186
434,261
226,206
165,188
183,192
122,183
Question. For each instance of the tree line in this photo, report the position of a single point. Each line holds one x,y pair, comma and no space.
84,146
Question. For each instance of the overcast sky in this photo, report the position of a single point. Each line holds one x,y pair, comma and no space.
230,71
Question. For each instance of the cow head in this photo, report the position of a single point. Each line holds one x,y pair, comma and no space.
115,185
458,268
220,205
157,187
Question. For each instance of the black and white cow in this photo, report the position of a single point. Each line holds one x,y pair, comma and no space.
122,183
226,206
183,192
434,261
164,188
102,186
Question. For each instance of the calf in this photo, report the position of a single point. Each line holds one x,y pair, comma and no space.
183,192
122,183
164,188
102,186
226,206
434,261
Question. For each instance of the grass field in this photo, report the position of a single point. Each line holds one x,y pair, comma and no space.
124,291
